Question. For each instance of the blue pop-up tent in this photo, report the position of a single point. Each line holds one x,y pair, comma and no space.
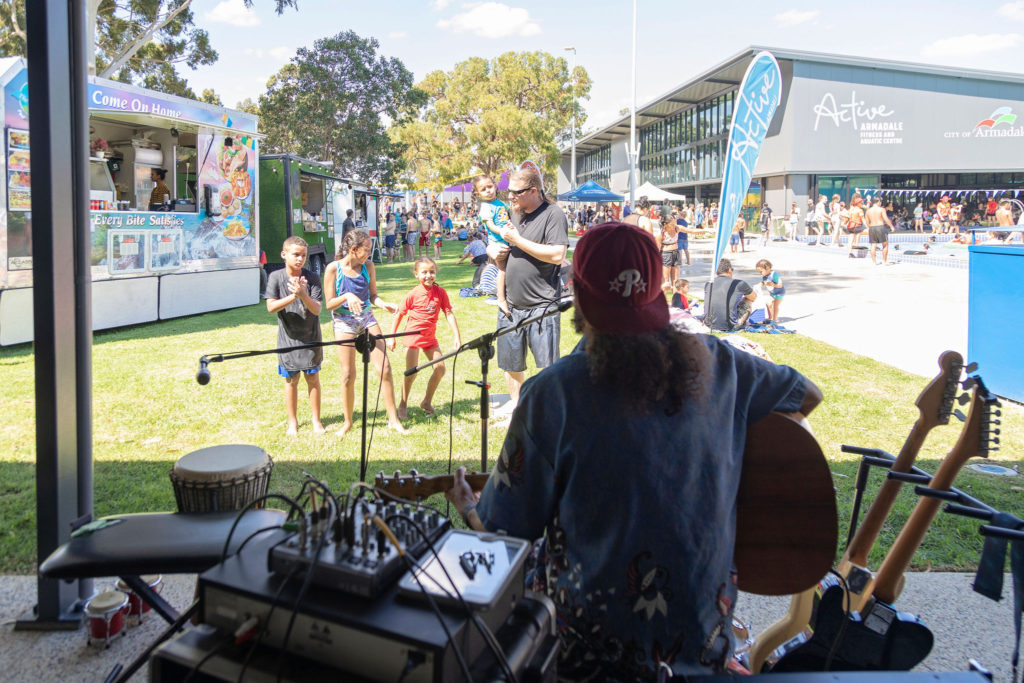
590,192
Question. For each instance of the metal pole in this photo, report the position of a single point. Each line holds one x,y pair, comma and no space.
58,121
633,152
572,70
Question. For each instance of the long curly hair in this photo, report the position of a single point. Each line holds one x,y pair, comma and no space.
354,238
661,369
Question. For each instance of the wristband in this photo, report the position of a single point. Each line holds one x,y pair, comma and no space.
465,514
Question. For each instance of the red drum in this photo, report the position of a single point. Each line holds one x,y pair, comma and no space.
105,612
137,607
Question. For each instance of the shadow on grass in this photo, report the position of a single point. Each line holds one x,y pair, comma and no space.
145,486
952,543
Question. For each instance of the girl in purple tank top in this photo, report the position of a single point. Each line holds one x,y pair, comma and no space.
351,287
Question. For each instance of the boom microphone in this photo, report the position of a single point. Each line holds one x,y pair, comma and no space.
203,376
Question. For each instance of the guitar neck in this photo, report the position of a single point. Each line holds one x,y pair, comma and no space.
974,441
412,486
866,535
898,559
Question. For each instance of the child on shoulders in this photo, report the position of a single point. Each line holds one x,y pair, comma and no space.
494,217
423,304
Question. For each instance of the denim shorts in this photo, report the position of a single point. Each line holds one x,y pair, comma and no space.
542,338
354,323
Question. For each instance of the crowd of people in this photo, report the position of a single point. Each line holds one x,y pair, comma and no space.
630,609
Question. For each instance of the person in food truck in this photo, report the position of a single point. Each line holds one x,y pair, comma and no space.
161,193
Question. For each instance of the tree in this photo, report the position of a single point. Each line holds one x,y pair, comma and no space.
486,115
133,41
330,103
210,96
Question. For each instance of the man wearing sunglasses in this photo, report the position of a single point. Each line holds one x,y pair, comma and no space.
537,246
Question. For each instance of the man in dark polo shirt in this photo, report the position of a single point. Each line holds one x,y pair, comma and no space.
537,246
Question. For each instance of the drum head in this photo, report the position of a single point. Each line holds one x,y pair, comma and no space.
217,463
151,580
107,601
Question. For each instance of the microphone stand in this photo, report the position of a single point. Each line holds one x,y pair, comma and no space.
484,345
364,342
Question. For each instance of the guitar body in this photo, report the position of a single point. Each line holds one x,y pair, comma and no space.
786,517
883,640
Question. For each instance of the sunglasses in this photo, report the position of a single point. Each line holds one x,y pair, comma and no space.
519,192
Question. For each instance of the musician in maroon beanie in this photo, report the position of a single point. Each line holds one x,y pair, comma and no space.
625,457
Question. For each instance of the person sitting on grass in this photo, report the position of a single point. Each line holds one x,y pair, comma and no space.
423,304
294,294
681,288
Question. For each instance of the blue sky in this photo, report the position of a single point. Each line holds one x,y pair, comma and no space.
678,39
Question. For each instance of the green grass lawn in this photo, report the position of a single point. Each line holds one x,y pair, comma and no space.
148,411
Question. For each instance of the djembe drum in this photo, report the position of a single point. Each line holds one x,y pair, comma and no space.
221,478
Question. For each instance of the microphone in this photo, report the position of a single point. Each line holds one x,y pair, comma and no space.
564,305
203,376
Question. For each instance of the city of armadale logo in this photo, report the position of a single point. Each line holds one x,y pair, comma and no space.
993,126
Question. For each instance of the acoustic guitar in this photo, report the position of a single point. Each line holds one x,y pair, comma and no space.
786,519
935,405
879,637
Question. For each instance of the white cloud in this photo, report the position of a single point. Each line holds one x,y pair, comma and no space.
398,34
492,20
1012,10
233,12
439,4
795,17
281,52
971,44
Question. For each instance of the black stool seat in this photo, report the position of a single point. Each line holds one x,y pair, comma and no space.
155,543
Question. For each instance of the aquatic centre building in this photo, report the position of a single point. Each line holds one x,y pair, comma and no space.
843,123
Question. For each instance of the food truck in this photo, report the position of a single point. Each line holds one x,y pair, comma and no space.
307,198
156,254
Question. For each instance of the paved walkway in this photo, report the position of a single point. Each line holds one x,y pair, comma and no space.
903,315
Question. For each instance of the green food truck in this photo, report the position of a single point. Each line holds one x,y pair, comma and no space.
307,198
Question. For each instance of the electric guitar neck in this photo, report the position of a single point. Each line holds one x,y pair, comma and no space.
980,436
935,405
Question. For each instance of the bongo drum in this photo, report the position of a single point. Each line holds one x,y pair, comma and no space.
137,606
221,478
105,612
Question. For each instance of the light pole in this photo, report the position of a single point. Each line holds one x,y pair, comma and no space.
633,152
572,167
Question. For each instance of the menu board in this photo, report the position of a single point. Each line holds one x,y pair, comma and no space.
165,249
127,251
19,195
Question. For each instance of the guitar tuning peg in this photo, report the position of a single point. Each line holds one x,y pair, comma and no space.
960,416
997,413
969,383
398,474
413,473
963,399
971,367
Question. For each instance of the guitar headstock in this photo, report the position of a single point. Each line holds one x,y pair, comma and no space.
936,400
980,434
415,486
